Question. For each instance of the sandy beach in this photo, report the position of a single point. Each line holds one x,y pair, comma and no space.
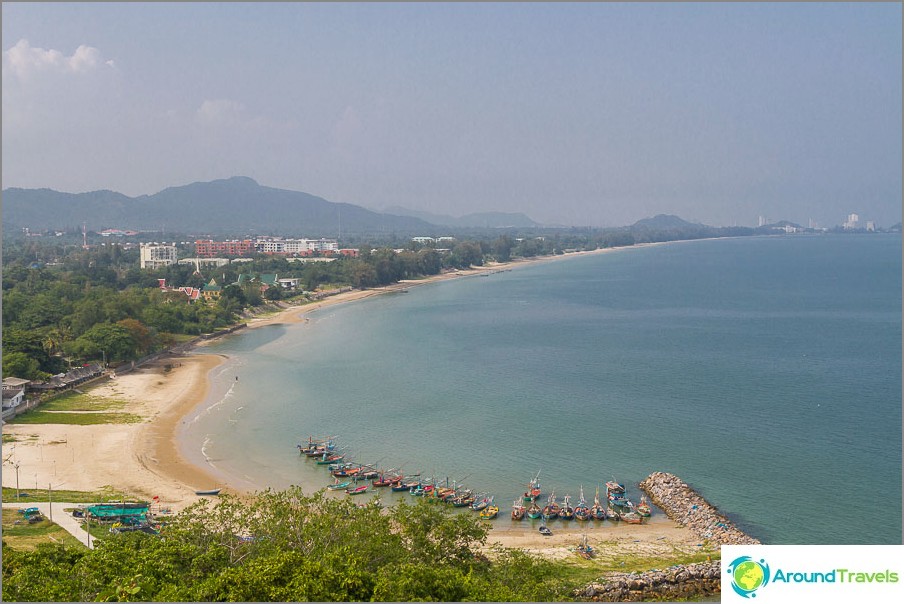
143,458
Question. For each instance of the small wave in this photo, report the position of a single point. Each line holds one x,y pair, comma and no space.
207,458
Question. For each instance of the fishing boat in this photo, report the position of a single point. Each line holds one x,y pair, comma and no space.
381,481
338,486
597,510
614,487
481,502
357,490
465,500
489,512
566,512
582,510
327,459
643,508
534,511
544,530
517,510
551,509
405,485
209,492
585,550
631,517
533,491
316,446
346,471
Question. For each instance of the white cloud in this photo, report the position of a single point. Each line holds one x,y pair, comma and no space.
24,60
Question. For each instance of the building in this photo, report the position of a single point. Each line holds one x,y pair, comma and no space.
266,245
211,291
870,225
205,262
14,392
852,222
207,248
155,256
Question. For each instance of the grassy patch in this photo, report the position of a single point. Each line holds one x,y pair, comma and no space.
9,438
41,495
41,416
23,536
73,401
579,571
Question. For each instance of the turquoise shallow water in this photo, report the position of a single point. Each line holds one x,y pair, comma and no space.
766,372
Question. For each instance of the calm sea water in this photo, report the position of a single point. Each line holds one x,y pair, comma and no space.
766,372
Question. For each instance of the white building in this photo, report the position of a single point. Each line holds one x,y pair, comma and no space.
205,262
852,222
155,256
278,245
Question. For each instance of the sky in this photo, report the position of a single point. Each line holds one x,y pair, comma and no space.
584,114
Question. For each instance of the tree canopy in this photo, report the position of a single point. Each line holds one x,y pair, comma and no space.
285,546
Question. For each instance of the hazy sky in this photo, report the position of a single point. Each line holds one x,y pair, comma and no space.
577,114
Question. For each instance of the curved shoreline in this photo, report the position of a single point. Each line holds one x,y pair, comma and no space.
146,459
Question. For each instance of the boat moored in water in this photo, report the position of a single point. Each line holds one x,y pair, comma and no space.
517,510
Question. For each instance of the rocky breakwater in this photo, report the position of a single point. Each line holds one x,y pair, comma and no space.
683,505
677,582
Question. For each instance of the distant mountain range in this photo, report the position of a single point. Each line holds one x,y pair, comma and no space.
486,220
664,222
233,206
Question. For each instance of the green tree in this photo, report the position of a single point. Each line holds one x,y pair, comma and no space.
106,339
19,364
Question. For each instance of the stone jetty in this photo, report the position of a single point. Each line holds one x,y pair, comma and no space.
677,582
683,505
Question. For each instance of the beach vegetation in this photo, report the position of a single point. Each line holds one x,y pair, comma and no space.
22,535
40,416
285,546
30,495
78,401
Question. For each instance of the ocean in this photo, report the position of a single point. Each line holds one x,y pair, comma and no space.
764,371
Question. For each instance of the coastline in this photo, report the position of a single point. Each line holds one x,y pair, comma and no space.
146,458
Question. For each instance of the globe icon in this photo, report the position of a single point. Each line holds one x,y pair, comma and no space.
748,575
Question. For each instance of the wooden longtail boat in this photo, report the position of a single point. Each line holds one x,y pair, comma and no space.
643,508
338,486
357,490
209,492
534,511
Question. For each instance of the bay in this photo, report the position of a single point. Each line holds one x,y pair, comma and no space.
766,372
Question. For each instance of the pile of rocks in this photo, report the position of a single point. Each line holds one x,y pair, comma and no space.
673,583
683,505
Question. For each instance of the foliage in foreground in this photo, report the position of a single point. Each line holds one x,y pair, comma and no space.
283,546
